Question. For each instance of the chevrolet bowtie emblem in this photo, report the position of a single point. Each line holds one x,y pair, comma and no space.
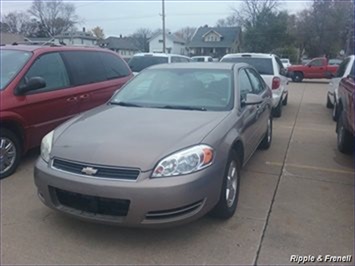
89,170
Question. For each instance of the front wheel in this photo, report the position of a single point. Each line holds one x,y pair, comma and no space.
228,199
266,142
10,153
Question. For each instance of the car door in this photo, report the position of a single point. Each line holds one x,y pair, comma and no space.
248,114
316,69
50,106
95,76
263,113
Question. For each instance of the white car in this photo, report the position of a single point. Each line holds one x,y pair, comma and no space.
342,72
202,59
141,61
285,62
273,72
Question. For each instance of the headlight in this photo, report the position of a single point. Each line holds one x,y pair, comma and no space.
185,162
46,146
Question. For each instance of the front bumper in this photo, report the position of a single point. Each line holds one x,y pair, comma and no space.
151,202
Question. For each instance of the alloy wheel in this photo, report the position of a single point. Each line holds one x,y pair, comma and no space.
231,187
7,154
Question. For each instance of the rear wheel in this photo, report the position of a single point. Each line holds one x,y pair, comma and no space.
285,100
297,77
277,111
345,140
10,153
228,199
329,103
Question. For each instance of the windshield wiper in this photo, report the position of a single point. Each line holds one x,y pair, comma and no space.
127,104
181,107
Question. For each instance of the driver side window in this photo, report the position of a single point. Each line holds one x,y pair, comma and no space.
245,86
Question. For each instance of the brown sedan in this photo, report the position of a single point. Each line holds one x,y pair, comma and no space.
165,150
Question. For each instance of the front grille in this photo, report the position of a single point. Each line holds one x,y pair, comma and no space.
92,204
165,214
97,171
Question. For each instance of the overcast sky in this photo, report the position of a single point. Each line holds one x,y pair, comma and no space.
124,17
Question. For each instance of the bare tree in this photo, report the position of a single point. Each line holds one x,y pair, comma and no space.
16,21
56,16
186,33
250,9
141,38
98,32
230,21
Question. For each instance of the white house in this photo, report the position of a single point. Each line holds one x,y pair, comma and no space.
173,44
76,38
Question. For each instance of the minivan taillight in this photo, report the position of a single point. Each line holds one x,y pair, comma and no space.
276,82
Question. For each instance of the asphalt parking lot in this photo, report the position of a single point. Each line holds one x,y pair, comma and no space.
297,198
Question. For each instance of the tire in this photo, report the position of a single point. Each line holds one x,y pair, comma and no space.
277,111
266,142
345,140
329,103
225,208
284,102
297,77
335,113
10,157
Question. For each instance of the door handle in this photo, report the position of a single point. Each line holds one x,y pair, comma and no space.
84,96
72,99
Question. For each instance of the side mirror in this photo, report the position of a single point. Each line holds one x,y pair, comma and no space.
32,84
251,99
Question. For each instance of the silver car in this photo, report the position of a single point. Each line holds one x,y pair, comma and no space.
165,150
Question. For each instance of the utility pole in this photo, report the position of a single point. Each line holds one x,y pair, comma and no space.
163,17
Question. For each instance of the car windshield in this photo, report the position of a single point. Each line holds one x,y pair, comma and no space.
138,63
187,89
262,65
12,62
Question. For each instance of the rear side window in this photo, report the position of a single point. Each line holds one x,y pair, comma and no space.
114,66
85,67
138,63
52,69
262,65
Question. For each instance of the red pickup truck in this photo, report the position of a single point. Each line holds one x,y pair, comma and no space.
317,68
345,124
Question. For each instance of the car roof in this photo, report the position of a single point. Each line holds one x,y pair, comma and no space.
255,55
197,65
158,54
48,48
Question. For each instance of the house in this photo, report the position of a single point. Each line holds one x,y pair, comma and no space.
76,38
173,44
124,46
10,38
215,41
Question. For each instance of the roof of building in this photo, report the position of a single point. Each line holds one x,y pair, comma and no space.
170,36
9,38
229,35
126,43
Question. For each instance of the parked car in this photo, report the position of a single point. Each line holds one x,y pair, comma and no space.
285,62
317,68
41,87
332,96
274,74
166,149
345,124
202,59
141,61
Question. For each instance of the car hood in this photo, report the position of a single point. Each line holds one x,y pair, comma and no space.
131,137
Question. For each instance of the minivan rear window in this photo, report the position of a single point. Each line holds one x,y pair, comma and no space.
138,63
262,65
11,63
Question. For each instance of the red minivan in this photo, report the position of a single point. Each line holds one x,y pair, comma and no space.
42,86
